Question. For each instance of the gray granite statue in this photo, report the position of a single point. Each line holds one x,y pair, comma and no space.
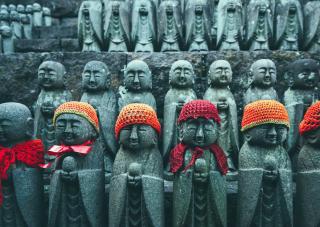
29,12
259,24
7,39
21,189
51,78
265,177
229,25
117,26
96,81
219,79
199,166
21,10
137,85
77,187
136,188
4,17
12,7
197,20
16,24
311,11
170,26
144,30
47,19
37,15
90,26
181,80
289,25
263,75
26,27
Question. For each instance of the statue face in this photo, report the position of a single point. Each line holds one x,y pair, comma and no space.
198,9
138,136
20,8
306,77
220,73
51,75
95,77
72,129
199,132
29,9
14,15
138,77
169,10
264,73
143,10
313,137
4,15
46,11
36,7
6,31
115,8
181,75
12,7
25,19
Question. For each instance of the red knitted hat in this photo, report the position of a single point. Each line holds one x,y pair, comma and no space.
199,108
264,112
137,113
311,119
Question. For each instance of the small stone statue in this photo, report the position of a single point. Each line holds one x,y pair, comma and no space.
3,7
90,26
77,187
29,12
308,176
170,36
265,177
16,24
21,10
4,17
7,39
181,80
137,85
47,19
311,11
136,188
259,23
214,22
21,190
198,25
26,27
51,76
12,7
263,74
220,77
144,26
117,26
289,25
37,15
96,85
199,166
229,25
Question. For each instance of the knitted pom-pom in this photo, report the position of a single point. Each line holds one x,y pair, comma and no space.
311,119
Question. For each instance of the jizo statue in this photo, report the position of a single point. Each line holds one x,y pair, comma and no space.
136,188
47,19
37,15
181,80
219,79
199,166
77,187
16,24
137,85
21,188
4,17
263,75
12,7
26,27
311,12
265,177
29,12
7,39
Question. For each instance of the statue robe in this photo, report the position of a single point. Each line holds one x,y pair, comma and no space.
312,26
253,94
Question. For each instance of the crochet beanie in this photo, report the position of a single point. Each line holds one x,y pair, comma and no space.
137,113
81,109
311,119
264,112
199,108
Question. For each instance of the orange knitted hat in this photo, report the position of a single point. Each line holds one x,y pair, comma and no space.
311,119
137,113
82,109
264,112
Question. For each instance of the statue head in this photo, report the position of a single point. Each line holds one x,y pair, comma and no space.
137,76
115,8
4,7
265,123
51,75
15,16
20,8
24,19
29,9
198,122
303,74
12,7
181,74
16,124
6,31
75,123
220,74
96,76
144,8
36,7
137,127
4,15
263,73
46,11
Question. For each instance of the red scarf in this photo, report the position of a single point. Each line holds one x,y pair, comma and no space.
177,157
30,153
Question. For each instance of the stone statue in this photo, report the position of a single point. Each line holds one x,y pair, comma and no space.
47,19
26,27
4,17
219,79
263,75
21,189
117,26
12,7
77,187
90,26
311,11
137,85
170,36
51,77
7,39
259,33
289,25
16,24
197,19
229,25
37,15
308,176
3,7
143,34
181,80
29,12
136,188
96,81
302,77
265,177
21,10
214,22
199,166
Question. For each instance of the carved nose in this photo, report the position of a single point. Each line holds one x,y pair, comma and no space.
199,135
136,79
272,132
92,79
134,134
68,128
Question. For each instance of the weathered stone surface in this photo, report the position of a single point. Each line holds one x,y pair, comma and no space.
36,45
55,32
69,45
